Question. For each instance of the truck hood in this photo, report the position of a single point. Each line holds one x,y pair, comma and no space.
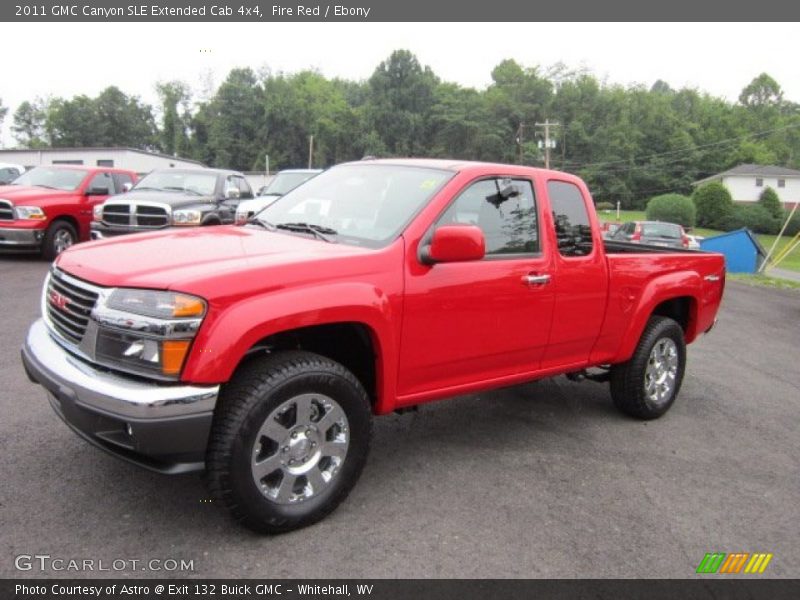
197,260
173,199
22,195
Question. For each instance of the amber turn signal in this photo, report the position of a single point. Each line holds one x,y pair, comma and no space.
188,306
173,352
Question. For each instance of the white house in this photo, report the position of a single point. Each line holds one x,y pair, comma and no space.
140,161
746,182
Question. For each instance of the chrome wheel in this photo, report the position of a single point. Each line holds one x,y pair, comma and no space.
300,448
661,372
62,240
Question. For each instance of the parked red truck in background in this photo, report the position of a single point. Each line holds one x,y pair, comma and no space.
49,208
261,353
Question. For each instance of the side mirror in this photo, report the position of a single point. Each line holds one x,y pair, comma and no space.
455,243
126,187
232,193
98,191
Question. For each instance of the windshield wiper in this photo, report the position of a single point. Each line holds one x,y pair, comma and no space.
149,189
265,224
319,231
175,188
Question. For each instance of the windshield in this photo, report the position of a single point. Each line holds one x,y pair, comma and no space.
362,204
664,230
191,182
286,182
54,179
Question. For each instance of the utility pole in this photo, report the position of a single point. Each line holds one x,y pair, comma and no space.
520,133
310,150
548,143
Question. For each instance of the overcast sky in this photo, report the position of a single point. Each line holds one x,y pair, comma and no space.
67,59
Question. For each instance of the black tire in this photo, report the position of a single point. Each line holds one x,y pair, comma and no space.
629,380
259,388
56,234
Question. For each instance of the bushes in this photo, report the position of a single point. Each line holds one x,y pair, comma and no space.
605,206
672,208
753,216
714,204
770,201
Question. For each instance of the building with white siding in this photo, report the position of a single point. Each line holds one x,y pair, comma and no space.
747,182
140,161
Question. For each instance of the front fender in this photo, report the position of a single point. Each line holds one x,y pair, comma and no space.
227,335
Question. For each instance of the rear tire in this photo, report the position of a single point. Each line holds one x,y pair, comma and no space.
646,386
59,236
289,440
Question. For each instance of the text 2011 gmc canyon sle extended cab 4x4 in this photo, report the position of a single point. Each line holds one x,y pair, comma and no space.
260,353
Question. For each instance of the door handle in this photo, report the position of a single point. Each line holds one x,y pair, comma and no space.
536,279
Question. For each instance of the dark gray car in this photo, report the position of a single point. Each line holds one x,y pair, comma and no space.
652,233
173,198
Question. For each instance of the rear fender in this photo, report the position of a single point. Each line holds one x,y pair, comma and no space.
659,290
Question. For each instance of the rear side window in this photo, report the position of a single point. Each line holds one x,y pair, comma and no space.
504,209
571,218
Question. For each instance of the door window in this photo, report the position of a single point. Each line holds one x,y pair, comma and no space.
504,209
571,219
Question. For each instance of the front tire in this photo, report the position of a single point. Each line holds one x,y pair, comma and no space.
289,441
59,236
646,386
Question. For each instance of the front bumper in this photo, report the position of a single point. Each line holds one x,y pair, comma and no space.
20,239
163,428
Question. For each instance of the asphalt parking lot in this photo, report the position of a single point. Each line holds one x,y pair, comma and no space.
541,480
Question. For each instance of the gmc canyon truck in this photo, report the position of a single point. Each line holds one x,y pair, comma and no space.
49,208
261,353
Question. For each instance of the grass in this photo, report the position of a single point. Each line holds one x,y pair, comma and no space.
765,281
790,263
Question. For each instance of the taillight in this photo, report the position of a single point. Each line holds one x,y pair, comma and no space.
685,241
636,236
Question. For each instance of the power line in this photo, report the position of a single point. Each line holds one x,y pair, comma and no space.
573,164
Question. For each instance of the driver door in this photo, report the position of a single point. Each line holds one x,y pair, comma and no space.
472,322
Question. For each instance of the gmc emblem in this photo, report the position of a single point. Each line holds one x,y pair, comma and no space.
58,300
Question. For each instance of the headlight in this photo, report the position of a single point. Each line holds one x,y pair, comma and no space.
147,332
161,305
186,217
31,213
97,212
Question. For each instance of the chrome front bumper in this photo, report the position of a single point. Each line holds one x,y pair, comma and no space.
161,427
11,237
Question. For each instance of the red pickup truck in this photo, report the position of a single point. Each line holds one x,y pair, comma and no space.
49,208
261,353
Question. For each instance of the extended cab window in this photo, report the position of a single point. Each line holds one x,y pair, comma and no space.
504,209
571,218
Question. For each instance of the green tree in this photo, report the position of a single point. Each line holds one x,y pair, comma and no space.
28,127
175,117
3,113
713,203
401,94
672,208
771,202
761,92
233,117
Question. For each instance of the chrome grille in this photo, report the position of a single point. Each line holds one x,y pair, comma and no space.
69,304
136,215
117,214
6,211
151,216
